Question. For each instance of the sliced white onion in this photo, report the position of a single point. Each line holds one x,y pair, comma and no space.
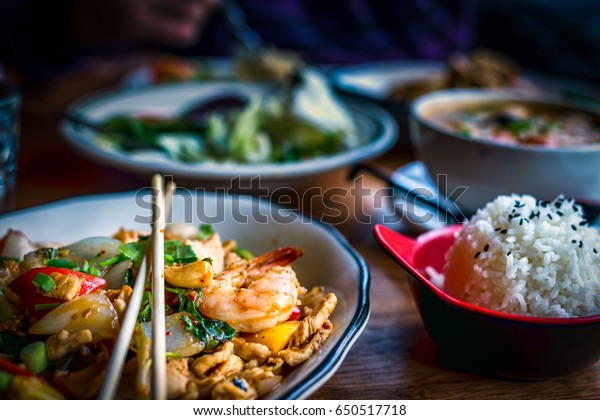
115,276
88,248
93,311
15,244
179,340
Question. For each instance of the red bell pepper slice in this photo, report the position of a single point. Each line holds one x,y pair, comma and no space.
295,315
8,367
30,296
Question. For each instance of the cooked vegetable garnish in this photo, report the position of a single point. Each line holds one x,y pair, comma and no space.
211,332
177,252
205,232
34,356
146,307
45,306
44,282
301,121
244,253
60,263
134,251
5,380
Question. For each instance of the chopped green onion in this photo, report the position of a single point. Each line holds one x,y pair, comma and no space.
146,307
45,306
108,262
5,380
34,356
90,269
134,251
208,259
205,232
244,253
44,282
172,355
59,263
129,277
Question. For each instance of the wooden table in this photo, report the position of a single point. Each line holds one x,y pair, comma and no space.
394,358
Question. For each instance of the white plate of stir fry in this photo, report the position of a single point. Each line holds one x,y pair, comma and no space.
250,315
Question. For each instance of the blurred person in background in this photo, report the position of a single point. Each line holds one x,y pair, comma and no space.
351,31
561,37
40,39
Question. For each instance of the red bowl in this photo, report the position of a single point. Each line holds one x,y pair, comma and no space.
480,339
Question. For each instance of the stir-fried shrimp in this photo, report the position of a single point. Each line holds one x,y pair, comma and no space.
237,331
256,294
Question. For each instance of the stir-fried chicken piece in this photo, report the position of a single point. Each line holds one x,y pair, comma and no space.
63,343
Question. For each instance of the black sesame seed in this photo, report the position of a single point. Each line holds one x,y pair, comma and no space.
504,231
580,244
497,229
574,241
549,216
595,250
573,227
560,213
575,208
477,255
486,247
508,253
517,215
237,382
583,223
521,222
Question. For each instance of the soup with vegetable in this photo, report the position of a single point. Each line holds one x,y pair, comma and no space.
521,123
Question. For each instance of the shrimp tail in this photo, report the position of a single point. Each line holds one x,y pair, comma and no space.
279,257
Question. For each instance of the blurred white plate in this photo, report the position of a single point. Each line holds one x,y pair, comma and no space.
377,79
328,260
206,69
374,125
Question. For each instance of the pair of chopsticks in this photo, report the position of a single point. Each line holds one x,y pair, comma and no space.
152,264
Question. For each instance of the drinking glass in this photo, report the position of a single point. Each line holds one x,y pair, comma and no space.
10,104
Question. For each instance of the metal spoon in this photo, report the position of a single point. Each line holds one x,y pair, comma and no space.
445,208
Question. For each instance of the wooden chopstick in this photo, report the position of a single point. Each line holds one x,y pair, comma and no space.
159,345
117,360
115,368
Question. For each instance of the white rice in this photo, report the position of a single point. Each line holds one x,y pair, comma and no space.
523,256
